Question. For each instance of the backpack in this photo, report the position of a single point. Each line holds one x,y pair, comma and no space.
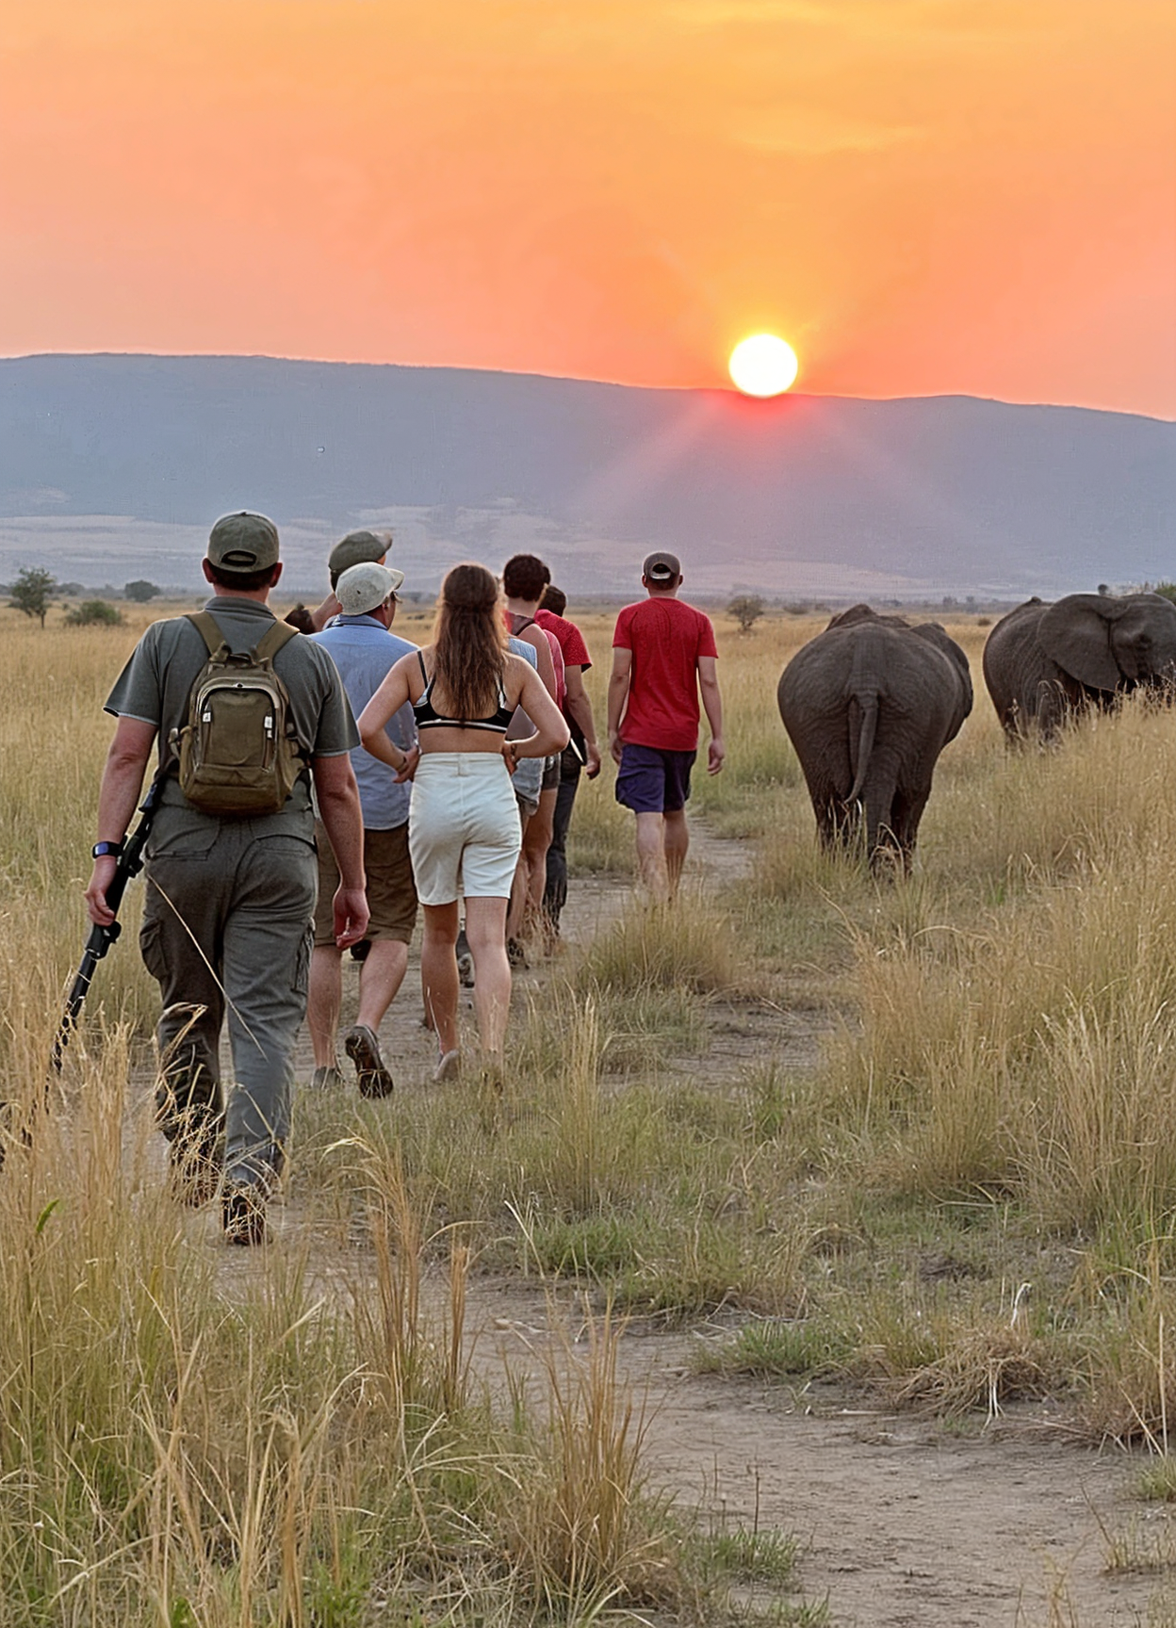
238,753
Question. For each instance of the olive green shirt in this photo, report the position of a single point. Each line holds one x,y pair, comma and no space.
156,682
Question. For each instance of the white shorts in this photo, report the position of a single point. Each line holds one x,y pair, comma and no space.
464,833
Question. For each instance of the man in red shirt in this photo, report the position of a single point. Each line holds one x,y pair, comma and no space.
663,655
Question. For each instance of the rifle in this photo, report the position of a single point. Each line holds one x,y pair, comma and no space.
130,863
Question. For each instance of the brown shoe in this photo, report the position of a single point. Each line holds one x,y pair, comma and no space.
371,1076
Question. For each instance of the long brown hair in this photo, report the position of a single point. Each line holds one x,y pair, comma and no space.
469,642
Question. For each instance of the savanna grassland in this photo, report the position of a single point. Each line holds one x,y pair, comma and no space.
959,1198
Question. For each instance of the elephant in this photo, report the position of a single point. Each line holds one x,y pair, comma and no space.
1044,662
869,704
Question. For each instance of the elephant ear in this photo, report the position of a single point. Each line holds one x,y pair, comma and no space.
1076,633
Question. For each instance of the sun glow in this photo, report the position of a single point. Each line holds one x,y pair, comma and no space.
763,365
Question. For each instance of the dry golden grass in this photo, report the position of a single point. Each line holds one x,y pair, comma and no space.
1001,1085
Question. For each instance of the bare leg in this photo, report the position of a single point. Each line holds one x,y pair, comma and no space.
380,977
536,842
324,998
651,856
676,840
439,970
485,930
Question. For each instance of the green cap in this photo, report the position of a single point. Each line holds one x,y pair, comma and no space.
357,548
243,542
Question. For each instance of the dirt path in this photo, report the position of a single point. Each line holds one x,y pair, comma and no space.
905,1524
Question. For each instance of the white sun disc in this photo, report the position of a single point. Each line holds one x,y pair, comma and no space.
763,365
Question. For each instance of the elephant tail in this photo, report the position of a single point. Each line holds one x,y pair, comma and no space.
869,706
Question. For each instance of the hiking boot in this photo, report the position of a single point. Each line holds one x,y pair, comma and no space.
371,1076
243,1214
516,955
327,1079
465,961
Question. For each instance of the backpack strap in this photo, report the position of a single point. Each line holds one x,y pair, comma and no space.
273,640
209,629
267,646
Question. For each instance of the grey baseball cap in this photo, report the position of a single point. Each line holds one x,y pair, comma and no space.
661,567
365,587
357,548
243,542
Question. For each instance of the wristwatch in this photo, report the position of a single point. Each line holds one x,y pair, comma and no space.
106,850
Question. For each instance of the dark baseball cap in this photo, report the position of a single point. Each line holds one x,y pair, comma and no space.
661,567
243,542
357,548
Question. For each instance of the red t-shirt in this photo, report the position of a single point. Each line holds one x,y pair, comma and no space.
667,637
571,640
553,644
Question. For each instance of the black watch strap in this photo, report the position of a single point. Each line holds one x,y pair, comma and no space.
106,850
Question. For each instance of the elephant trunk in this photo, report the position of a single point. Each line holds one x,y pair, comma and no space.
869,706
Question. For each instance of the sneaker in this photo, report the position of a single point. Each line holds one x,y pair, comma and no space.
516,955
465,962
363,1048
243,1215
448,1067
327,1079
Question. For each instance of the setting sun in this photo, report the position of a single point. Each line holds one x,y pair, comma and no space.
763,365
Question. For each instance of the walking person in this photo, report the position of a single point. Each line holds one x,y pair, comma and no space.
524,578
463,829
580,754
664,654
230,894
363,647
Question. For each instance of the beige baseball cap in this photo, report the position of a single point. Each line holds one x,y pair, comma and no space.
661,567
365,587
243,542
357,548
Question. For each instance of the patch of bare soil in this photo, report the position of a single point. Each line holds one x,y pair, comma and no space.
905,1524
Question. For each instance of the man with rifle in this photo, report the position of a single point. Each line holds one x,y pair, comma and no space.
247,716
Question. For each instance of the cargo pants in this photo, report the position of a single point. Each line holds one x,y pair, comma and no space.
227,931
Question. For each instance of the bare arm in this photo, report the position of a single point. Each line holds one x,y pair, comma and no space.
537,639
322,615
338,801
712,705
118,796
579,707
618,694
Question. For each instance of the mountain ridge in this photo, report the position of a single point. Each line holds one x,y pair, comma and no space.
113,463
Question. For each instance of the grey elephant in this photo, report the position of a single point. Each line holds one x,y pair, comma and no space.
1044,662
869,704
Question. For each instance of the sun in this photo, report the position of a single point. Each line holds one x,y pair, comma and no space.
763,365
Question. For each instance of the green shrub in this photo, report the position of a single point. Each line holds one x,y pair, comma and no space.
94,613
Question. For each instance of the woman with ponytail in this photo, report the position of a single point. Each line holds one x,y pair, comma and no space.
463,825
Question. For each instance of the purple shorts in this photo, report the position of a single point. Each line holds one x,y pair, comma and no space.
650,781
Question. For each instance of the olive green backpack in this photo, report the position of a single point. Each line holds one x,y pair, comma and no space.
238,753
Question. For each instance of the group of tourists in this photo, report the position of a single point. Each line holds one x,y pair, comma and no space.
321,779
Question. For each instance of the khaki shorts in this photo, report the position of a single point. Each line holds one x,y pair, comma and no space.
391,891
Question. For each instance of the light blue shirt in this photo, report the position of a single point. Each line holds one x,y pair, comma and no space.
527,779
364,651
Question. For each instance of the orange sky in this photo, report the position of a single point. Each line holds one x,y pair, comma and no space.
924,196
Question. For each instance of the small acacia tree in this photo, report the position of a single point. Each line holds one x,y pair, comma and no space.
32,591
747,610
140,591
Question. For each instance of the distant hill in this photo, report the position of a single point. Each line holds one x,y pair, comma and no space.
113,467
